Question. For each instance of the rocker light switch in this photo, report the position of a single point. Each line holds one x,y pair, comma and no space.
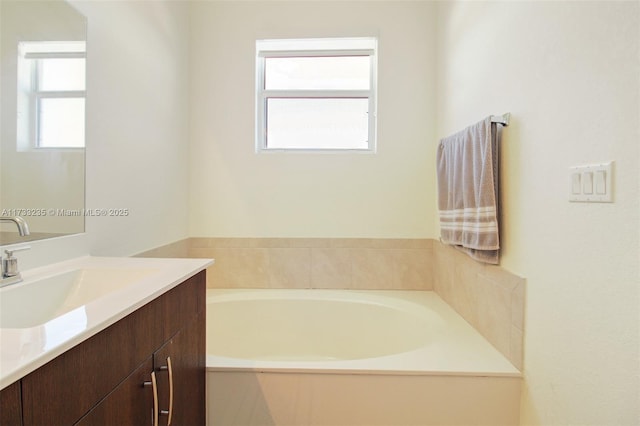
591,184
601,182
576,183
587,182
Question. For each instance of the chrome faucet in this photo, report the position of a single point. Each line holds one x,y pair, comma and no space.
23,228
10,272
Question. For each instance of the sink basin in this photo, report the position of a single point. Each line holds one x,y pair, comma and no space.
35,303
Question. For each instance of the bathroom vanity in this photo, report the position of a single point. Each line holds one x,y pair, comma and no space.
135,365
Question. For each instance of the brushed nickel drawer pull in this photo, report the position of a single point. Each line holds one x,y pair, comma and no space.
170,390
154,384
169,369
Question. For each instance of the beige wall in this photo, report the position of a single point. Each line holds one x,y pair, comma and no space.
238,193
569,73
137,118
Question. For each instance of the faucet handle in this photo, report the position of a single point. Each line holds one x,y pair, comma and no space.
10,265
13,250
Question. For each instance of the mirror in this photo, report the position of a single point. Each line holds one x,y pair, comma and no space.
42,82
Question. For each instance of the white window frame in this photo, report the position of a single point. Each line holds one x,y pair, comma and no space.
36,94
330,47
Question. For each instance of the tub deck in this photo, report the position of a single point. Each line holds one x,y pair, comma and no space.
455,378
457,349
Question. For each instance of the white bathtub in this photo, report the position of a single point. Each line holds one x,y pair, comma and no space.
341,357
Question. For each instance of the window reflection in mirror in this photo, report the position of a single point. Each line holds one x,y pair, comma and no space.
51,94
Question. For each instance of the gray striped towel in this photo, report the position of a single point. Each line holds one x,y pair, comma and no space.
468,191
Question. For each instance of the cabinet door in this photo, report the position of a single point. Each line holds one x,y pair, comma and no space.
130,403
11,405
185,352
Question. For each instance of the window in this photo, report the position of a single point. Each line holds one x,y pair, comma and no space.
51,94
316,94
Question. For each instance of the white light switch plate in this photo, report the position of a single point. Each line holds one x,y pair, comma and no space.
591,184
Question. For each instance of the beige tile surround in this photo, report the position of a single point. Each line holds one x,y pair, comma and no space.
179,249
490,298
371,264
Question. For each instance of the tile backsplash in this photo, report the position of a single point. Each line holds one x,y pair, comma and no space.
490,298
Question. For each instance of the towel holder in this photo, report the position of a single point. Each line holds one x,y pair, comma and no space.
501,119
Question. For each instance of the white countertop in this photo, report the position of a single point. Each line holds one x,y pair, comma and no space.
23,350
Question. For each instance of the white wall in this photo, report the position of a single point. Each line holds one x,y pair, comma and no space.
238,193
137,134
569,73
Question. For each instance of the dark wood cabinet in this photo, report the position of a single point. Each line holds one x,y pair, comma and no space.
176,384
130,403
178,375
10,406
106,380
